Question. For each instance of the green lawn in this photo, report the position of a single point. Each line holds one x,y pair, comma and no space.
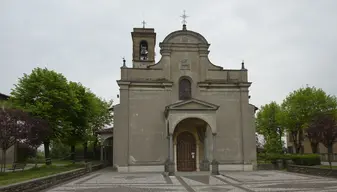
14,177
60,162
65,162
263,162
328,167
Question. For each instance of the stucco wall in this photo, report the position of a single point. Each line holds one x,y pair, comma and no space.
148,142
228,141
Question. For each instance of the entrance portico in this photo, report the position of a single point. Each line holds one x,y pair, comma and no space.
191,128
106,140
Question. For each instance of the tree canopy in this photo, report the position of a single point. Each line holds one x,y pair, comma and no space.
18,126
300,107
323,128
72,111
268,124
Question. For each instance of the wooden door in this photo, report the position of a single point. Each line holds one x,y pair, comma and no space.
186,152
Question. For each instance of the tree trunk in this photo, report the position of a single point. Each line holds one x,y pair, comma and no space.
295,141
300,139
4,159
47,152
35,157
95,147
72,152
329,155
314,147
85,151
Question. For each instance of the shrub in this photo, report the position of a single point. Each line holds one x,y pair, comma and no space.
273,157
298,159
59,150
308,159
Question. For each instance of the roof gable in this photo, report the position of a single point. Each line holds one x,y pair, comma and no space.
192,104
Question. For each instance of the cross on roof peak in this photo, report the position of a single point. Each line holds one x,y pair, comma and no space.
184,16
144,23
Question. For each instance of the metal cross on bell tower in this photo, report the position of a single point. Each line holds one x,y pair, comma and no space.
144,23
184,16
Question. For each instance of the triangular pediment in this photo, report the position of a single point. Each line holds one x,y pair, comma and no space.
192,104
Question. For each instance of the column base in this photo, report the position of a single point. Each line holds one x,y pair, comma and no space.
169,167
215,167
204,165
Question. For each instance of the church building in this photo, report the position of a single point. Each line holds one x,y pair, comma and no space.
182,113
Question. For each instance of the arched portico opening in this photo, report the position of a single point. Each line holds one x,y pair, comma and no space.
191,146
107,151
106,140
199,118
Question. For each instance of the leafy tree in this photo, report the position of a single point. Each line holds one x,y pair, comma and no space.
39,131
46,94
79,117
59,150
259,144
268,124
15,125
92,114
324,127
99,117
314,136
299,107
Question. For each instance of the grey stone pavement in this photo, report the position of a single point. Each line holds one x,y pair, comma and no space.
108,181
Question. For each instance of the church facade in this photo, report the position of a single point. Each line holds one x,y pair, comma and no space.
182,113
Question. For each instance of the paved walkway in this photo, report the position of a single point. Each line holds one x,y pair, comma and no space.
108,181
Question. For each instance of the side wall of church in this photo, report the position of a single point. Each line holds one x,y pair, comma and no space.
249,135
121,139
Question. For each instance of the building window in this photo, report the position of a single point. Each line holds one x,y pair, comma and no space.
143,51
184,89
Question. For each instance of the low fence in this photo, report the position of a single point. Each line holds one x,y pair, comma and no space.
324,157
49,181
317,171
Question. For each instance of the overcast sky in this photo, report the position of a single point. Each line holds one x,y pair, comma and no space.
285,44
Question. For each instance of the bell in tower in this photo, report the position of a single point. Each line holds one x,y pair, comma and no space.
144,42
143,51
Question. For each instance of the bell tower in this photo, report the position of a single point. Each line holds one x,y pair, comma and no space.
143,45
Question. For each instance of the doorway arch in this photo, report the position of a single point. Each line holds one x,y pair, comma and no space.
186,152
191,146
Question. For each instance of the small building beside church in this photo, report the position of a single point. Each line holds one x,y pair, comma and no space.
182,113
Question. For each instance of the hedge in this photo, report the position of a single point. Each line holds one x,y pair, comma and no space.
309,159
298,159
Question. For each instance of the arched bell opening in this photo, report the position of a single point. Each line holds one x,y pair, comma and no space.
143,51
